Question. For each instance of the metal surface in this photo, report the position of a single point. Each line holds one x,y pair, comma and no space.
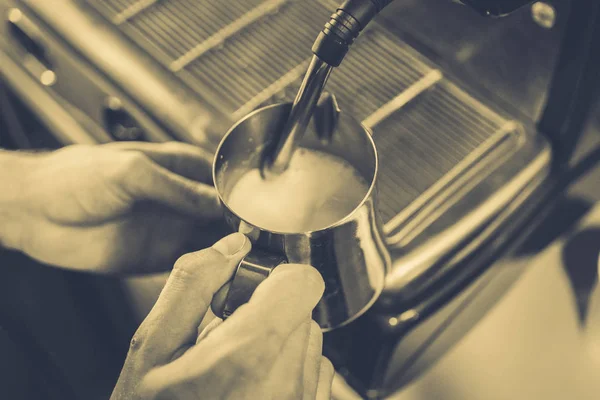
351,254
278,158
253,269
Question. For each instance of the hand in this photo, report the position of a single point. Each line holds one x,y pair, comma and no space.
268,349
119,207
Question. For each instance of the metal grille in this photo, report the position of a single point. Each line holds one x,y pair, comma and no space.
423,141
177,26
260,54
374,72
111,8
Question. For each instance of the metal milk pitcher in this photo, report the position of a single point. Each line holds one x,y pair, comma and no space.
350,254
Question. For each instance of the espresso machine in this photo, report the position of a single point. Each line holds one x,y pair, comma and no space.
466,168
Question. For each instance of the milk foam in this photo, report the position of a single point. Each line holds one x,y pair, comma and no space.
317,190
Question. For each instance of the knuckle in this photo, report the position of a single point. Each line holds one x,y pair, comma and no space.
131,166
201,266
174,146
134,160
184,262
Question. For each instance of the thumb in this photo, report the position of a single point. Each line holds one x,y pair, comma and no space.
173,321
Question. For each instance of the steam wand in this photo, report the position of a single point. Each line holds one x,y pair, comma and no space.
329,50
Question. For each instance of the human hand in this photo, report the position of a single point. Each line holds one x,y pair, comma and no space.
119,207
268,349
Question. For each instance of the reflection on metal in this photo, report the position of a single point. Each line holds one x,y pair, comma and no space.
406,316
114,103
403,98
543,14
51,112
14,15
48,78
133,10
222,35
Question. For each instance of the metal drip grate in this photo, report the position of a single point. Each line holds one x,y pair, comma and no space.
173,28
362,87
425,140
177,26
252,60
111,8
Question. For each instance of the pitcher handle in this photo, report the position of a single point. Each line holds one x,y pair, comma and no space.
251,271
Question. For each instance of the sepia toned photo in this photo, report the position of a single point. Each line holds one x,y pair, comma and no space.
299,199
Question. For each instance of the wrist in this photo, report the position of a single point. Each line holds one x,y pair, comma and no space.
14,201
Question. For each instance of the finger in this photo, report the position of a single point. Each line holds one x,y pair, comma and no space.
286,378
214,324
150,181
187,160
173,321
280,303
252,337
312,362
326,373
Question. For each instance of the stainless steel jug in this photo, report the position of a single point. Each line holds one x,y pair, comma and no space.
350,254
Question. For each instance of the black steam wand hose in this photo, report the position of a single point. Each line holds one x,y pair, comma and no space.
330,48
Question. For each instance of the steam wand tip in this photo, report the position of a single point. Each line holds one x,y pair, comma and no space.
302,110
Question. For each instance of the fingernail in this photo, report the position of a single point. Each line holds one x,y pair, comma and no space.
230,245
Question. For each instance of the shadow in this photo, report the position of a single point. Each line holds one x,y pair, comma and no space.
580,259
567,213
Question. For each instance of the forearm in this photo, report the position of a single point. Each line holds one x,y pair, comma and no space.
14,167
